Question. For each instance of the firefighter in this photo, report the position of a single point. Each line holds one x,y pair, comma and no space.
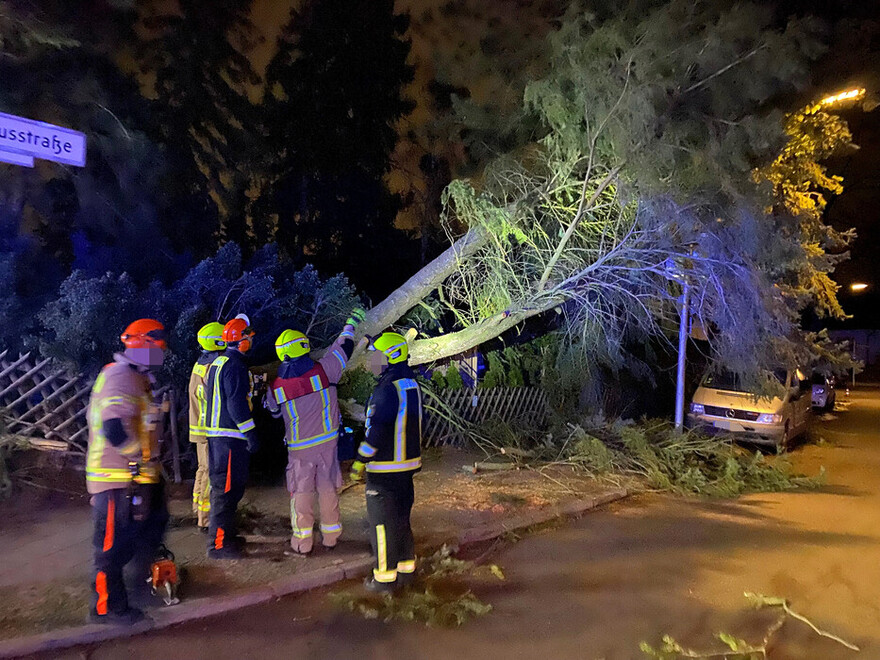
232,436
210,338
391,455
122,469
304,394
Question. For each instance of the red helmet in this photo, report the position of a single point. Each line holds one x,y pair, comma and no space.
144,333
237,333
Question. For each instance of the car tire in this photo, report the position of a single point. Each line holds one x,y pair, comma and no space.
784,442
829,405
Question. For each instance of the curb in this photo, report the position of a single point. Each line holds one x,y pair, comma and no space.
202,608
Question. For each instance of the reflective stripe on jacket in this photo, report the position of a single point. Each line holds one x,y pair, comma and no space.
394,423
198,404
227,413
120,392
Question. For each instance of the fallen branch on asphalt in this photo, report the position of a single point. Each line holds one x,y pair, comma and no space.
739,649
663,459
436,598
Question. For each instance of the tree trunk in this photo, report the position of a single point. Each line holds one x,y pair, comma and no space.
437,348
420,285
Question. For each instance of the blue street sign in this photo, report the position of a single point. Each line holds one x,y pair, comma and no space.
36,139
16,159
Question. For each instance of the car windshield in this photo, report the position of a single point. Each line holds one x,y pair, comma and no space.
818,379
723,380
731,382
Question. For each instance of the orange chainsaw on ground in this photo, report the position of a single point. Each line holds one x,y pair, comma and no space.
164,578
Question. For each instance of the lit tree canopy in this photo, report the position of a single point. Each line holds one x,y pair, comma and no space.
800,182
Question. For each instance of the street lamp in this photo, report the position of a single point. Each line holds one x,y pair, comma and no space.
858,286
848,95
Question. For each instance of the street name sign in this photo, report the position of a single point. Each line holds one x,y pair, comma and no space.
16,159
26,139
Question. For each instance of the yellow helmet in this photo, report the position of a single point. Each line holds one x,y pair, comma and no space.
392,345
291,344
211,337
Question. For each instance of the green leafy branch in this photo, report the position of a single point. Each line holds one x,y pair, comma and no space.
427,601
670,649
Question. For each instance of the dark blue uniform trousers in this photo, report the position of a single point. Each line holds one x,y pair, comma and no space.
118,539
228,461
389,504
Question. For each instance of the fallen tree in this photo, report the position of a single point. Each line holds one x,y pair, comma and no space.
653,122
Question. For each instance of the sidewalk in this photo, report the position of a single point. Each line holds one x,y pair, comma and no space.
45,545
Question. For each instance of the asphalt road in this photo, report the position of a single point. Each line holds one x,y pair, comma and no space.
646,567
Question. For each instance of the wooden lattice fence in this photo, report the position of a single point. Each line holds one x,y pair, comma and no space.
48,405
43,403
527,404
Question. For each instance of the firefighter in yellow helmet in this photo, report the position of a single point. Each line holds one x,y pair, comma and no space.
304,394
391,455
122,469
210,338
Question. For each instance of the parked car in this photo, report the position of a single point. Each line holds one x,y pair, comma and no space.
824,393
722,404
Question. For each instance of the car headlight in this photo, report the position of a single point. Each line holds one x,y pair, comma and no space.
768,418
698,409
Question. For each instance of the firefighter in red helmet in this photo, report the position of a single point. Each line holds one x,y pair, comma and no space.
232,436
122,469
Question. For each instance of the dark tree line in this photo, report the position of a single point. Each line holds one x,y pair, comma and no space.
190,147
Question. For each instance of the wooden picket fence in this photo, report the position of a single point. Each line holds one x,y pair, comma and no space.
43,403
528,404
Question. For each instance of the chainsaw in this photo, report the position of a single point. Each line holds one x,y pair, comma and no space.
163,577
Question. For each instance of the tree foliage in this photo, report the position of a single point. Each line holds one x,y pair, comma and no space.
653,120
97,218
800,184
21,37
198,62
81,327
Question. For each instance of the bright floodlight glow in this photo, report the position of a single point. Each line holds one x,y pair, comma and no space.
848,95
858,286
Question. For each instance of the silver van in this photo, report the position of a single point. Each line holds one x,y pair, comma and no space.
721,404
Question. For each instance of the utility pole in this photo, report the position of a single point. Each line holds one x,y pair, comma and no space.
682,353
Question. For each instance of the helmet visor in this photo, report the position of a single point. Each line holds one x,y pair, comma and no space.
159,337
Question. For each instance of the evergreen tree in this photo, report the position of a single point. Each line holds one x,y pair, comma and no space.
197,57
334,95
800,184
100,217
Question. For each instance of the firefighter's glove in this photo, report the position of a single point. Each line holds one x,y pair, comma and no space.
252,443
357,316
357,472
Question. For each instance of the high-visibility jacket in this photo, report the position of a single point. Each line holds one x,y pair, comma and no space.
198,403
227,413
123,438
394,423
304,394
